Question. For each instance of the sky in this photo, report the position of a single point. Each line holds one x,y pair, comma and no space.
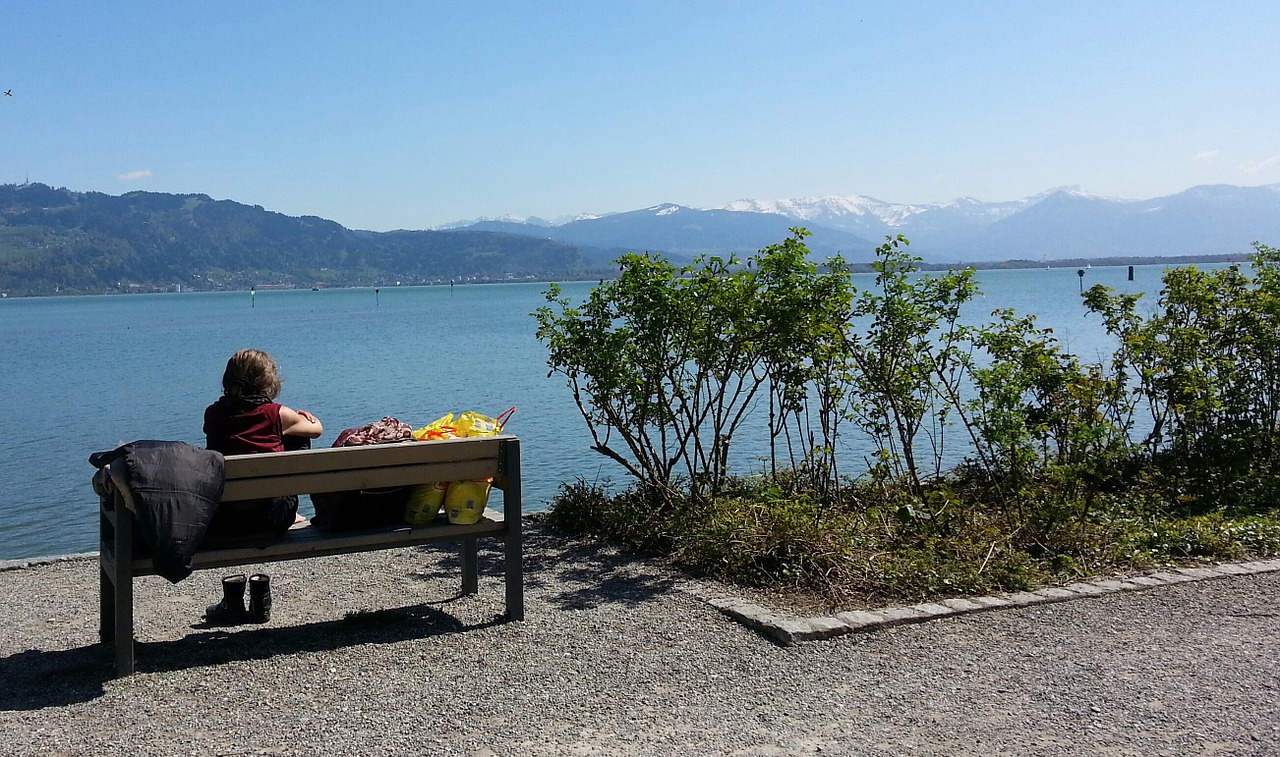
409,115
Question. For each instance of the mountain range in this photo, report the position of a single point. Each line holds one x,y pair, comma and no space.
1064,223
58,240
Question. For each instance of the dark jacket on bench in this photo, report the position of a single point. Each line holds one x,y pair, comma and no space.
177,488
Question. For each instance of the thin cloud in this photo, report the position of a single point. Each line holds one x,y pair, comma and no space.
1206,156
1264,166
135,175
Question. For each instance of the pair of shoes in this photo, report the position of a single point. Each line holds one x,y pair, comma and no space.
231,610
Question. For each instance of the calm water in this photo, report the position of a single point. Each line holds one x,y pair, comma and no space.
83,374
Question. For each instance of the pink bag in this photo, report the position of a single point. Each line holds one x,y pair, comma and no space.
380,432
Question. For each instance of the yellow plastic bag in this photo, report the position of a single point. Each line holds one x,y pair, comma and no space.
440,428
425,501
464,501
472,423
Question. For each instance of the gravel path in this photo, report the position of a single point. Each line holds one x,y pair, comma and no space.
616,658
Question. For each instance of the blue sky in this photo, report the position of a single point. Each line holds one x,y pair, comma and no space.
384,115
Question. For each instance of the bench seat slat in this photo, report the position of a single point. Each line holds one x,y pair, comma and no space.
351,479
307,542
369,456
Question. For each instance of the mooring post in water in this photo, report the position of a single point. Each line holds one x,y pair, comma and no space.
252,296
1080,273
1131,273
375,297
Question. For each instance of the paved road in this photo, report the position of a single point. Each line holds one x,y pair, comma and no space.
615,658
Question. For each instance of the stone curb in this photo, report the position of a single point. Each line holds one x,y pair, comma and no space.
788,629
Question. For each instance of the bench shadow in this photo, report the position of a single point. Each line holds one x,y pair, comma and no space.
37,679
569,572
578,574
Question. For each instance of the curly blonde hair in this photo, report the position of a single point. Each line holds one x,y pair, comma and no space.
251,375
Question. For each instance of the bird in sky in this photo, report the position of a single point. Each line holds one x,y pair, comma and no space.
8,93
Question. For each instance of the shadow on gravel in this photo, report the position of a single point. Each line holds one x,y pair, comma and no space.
577,575
36,679
220,645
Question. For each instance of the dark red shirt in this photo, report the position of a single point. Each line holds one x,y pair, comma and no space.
240,430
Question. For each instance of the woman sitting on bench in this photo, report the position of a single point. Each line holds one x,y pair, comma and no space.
246,419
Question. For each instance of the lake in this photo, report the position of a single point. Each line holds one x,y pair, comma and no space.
85,374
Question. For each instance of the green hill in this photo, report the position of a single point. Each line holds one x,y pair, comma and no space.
59,241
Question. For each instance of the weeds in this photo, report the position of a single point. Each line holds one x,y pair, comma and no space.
868,549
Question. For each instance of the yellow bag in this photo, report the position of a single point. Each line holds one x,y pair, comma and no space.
425,501
440,428
464,501
472,423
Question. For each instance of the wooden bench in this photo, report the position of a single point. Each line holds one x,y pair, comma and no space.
328,470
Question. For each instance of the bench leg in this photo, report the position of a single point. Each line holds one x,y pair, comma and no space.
513,568
470,565
513,539
124,629
106,586
106,606
122,591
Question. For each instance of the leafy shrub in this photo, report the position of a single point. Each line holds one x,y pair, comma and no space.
635,519
670,360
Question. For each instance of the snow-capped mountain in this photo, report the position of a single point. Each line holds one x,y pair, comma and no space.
1065,222
687,232
856,211
862,214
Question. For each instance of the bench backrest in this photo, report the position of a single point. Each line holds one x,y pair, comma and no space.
369,467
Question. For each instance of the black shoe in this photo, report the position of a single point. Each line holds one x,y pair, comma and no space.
230,611
259,598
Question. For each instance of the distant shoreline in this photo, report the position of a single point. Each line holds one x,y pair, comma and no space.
993,265
977,265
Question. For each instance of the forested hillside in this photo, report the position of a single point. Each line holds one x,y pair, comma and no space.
60,241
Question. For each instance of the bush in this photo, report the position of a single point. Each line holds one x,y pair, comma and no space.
668,362
635,519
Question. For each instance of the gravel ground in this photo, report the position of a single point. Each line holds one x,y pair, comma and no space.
614,657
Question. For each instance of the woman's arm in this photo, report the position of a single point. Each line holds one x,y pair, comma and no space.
299,423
